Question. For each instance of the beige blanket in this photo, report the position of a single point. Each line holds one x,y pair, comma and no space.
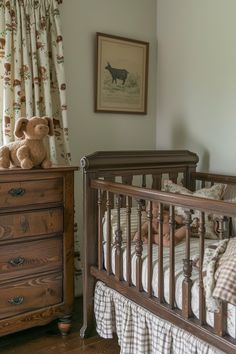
220,280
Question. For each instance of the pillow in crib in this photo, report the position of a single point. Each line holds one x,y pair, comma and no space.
215,192
123,223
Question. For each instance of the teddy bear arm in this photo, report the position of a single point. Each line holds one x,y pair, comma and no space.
23,155
46,163
4,157
23,152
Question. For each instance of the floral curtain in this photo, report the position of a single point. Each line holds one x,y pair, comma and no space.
32,78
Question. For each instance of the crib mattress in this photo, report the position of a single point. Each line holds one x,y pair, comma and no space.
179,256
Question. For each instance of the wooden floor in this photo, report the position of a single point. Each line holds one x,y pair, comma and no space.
47,340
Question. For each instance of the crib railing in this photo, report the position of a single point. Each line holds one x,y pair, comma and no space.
119,195
179,166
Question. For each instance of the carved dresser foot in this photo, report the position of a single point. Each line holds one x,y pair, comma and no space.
65,324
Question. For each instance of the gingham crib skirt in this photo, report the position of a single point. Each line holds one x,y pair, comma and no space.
138,330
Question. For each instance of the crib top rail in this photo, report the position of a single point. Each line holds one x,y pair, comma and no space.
185,201
137,160
214,178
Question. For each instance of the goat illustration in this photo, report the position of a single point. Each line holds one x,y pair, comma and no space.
120,74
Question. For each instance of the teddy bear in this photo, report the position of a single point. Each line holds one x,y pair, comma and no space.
29,151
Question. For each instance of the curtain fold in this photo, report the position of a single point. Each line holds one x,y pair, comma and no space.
32,75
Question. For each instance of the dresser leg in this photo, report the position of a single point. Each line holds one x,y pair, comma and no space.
64,325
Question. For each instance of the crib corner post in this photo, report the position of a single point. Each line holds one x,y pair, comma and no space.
191,182
88,327
89,254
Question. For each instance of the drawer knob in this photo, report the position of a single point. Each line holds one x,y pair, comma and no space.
17,261
16,192
17,300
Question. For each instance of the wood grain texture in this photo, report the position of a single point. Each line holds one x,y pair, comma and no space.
30,319
46,339
36,247
30,294
22,259
31,192
68,250
40,222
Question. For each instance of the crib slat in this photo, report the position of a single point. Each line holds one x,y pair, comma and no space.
111,196
128,249
139,250
127,179
221,227
156,181
118,241
144,181
160,255
188,233
108,231
100,234
202,305
187,269
220,321
173,176
172,258
150,237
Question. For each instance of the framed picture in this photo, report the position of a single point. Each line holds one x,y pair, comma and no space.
121,75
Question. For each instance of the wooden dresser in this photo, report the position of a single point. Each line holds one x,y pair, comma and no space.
36,248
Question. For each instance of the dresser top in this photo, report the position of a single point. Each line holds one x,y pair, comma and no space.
54,168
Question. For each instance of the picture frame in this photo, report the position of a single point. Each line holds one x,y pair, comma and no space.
121,74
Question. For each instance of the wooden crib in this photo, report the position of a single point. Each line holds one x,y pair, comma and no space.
109,182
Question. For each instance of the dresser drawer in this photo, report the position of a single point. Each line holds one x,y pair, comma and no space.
34,223
25,258
30,294
22,193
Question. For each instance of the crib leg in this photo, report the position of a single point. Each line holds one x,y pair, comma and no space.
88,327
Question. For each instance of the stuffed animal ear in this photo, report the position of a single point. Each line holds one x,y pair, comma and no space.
20,127
50,124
